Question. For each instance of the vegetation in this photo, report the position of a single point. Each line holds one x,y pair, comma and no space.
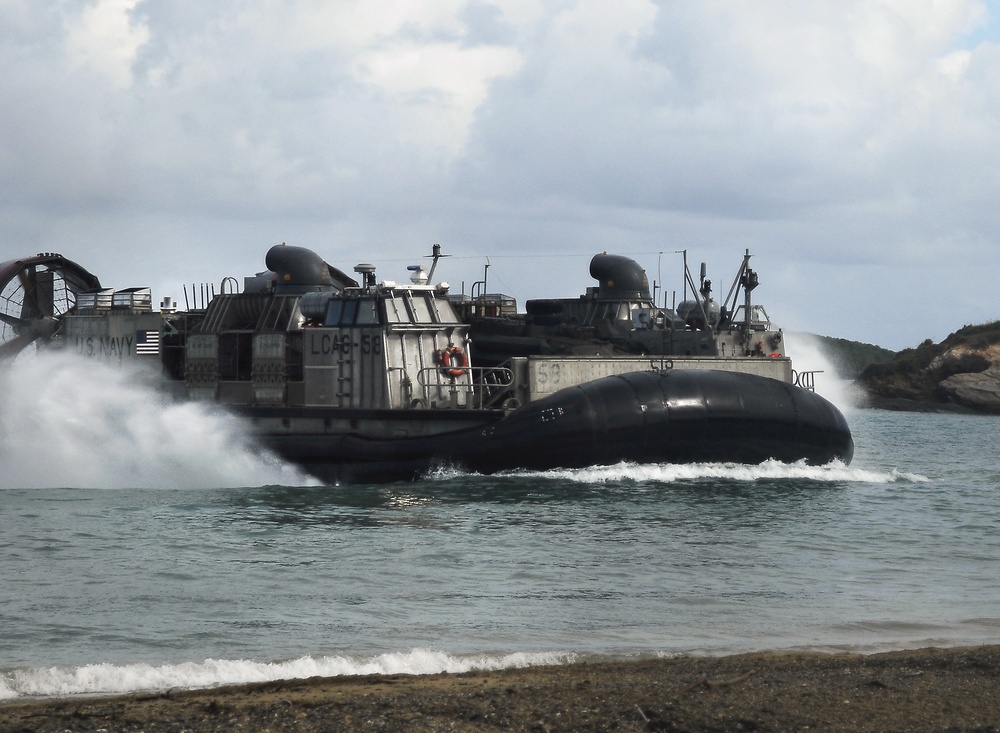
918,374
975,337
852,357
919,358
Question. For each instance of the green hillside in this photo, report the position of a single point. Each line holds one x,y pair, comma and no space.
959,372
852,357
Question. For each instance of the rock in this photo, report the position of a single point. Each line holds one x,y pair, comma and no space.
980,391
962,373
959,360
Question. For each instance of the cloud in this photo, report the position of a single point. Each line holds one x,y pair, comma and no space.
105,39
852,145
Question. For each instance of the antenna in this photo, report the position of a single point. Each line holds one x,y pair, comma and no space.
436,255
659,281
684,252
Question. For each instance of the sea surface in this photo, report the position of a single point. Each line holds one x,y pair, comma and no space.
146,546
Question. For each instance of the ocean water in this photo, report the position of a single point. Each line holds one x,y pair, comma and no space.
150,546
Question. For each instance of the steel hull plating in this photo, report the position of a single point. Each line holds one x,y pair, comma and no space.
675,416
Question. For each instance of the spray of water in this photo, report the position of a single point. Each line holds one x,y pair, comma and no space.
69,422
807,355
669,473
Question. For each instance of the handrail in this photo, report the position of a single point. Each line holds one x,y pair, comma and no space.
490,386
806,380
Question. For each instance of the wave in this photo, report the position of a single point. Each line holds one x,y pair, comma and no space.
834,472
97,679
67,422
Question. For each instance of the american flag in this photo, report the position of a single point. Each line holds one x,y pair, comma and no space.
147,342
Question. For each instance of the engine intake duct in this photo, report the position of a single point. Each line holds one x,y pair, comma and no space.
619,278
300,270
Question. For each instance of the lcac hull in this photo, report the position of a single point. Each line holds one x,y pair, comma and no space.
674,416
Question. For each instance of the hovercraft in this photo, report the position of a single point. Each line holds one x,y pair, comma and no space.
359,380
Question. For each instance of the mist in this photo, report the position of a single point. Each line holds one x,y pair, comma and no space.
66,422
807,355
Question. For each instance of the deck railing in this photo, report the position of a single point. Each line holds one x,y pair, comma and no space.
489,387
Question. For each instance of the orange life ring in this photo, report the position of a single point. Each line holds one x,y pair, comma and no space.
775,355
461,361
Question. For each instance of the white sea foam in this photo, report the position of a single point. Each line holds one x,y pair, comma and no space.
807,355
69,422
835,471
118,679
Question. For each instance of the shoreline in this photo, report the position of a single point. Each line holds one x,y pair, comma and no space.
930,689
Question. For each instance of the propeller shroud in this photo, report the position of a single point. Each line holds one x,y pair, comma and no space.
35,293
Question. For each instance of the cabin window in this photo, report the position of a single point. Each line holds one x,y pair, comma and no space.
367,313
333,312
445,311
348,313
395,311
421,310
341,312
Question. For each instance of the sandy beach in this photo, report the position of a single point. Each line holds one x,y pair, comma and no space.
922,690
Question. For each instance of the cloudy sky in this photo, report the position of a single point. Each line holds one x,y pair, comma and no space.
853,146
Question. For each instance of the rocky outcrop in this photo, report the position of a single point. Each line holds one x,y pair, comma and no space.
962,373
980,390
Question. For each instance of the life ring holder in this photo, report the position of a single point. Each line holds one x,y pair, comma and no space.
454,360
